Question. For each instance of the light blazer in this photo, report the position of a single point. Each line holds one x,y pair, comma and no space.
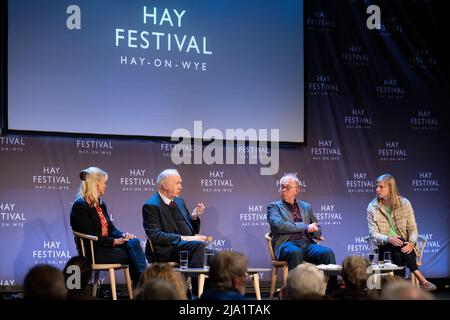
282,223
403,218
160,227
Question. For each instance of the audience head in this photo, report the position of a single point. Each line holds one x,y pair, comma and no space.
404,290
164,271
157,289
169,183
354,272
85,268
93,184
228,271
304,281
44,282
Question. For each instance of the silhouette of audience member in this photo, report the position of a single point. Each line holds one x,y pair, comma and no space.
227,277
404,290
157,289
83,290
44,282
304,282
164,271
354,274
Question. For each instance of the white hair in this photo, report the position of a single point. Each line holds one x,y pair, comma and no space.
164,175
290,176
305,280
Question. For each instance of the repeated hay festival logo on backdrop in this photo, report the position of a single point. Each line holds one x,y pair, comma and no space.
167,148
51,252
425,182
390,89
326,150
358,119
360,182
320,21
12,144
221,245
323,86
329,214
359,246
51,178
254,216
217,181
423,59
137,180
252,153
424,120
11,216
153,39
433,245
392,151
355,55
94,147
390,26
7,282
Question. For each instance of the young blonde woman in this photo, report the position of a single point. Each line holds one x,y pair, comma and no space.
393,226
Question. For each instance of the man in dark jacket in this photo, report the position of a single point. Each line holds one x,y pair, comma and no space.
169,225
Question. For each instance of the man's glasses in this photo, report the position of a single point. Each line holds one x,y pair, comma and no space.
287,187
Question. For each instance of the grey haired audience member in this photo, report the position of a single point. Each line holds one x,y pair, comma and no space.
305,281
157,289
44,282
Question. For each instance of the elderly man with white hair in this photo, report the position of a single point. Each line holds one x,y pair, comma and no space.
295,229
170,226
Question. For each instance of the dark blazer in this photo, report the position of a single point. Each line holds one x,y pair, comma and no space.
160,227
84,219
282,223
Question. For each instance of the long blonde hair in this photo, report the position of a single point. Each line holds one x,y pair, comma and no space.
394,195
90,177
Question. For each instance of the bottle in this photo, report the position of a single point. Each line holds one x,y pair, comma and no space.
208,254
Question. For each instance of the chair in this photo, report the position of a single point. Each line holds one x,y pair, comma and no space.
275,265
279,264
97,267
419,249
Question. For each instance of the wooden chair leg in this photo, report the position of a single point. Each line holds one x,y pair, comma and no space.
256,286
273,281
112,279
201,283
285,274
95,286
126,271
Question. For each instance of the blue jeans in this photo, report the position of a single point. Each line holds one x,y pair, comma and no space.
297,251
